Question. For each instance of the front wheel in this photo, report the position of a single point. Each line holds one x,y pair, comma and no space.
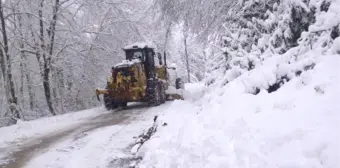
109,102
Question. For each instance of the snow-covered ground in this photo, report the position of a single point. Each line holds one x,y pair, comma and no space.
228,126
14,136
43,126
90,138
99,147
296,126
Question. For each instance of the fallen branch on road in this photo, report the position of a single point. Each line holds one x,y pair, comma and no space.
145,136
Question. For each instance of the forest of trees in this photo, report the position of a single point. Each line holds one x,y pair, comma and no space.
54,53
239,35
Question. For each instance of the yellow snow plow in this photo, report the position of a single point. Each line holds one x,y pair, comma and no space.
142,77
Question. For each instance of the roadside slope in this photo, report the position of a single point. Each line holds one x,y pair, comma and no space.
296,126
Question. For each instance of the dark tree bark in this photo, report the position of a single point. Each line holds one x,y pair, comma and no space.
3,67
17,19
25,74
186,49
12,98
45,62
51,31
187,58
167,35
21,88
47,52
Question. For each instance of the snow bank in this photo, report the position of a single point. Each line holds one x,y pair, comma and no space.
296,126
193,91
166,139
336,46
173,90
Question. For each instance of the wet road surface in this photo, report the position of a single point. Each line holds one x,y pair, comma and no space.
32,147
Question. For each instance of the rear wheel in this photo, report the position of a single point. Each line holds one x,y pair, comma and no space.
153,93
179,83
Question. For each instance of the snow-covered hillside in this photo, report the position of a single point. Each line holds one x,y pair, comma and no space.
267,92
271,96
296,126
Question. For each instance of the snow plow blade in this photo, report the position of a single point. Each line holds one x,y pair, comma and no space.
101,91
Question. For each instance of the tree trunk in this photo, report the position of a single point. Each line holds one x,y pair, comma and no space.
3,66
12,100
29,89
47,90
46,62
51,34
21,88
23,65
167,35
3,70
52,27
187,58
17,18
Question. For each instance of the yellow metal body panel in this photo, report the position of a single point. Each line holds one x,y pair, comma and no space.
129,84
161,73
128,87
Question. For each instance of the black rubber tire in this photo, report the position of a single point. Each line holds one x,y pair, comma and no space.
179,83
108,101
162,94
153,94
123,104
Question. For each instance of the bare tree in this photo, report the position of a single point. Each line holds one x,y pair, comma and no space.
186,56
61,50
7,69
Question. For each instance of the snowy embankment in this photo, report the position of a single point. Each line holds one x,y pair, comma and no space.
295,126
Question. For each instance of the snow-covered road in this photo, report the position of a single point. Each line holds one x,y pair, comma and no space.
102,139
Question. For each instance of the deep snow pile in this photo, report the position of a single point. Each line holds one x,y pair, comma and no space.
296,126
280,109
257,30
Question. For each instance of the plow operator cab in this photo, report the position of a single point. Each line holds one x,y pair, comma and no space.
142,77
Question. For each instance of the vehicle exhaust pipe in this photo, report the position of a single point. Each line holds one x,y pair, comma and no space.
165,58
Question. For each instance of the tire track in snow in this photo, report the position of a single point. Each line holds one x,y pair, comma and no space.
31,148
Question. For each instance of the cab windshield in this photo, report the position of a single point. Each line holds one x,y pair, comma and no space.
134,54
